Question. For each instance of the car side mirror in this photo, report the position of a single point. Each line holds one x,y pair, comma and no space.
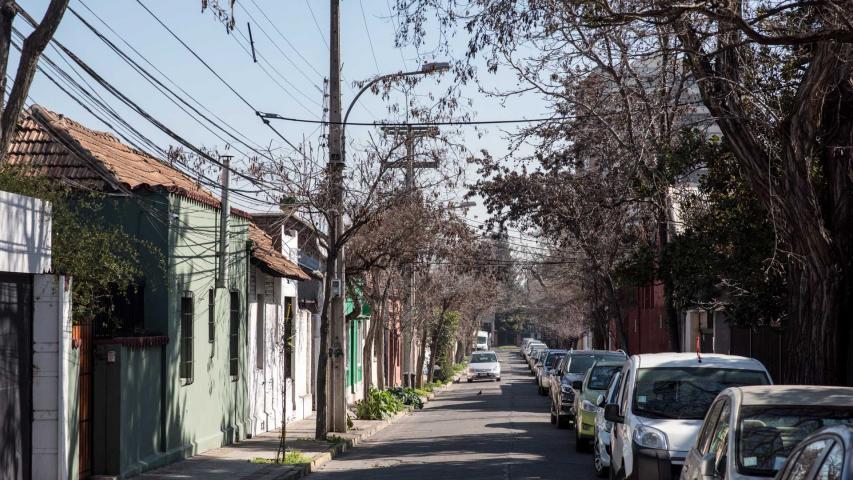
577,385
611,413
600,400
709,468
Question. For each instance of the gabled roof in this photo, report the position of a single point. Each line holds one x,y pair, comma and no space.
264,251
58,147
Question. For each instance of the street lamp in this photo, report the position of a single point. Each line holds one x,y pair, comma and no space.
426,69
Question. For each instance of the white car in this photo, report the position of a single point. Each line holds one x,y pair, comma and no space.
484,366
661,404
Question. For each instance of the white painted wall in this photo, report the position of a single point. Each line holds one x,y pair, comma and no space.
265,378
25,229
55,378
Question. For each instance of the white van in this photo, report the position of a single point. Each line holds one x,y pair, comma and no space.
661,404
482,342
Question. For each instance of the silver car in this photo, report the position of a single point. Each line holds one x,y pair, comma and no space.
601,443
749,431
547,368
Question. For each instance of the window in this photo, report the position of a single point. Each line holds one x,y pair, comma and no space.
186,365
599,377
288,337
768,433
234,334
686,393
708,427
211,315
260,326
808,456
720,438
832,466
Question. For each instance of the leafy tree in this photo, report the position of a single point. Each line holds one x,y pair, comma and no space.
101,258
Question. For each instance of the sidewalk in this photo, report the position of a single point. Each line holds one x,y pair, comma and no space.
234,461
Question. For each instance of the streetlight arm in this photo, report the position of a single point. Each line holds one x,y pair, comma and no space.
370,84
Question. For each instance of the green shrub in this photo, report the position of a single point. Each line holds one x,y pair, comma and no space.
408,396
378,405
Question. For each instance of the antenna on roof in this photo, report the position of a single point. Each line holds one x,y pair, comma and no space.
699,348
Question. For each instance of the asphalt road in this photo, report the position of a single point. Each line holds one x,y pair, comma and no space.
502,433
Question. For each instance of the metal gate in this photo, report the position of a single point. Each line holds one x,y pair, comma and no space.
16,330
83,334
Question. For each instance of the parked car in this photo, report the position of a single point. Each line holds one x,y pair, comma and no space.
750,431
661,405
573,367
534,354
587,391
547,368
601,445
824,455
525,350
484,366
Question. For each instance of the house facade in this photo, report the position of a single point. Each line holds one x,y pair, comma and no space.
168,375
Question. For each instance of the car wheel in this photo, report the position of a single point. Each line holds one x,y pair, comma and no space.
580,442
553,419
600,469
562,421
541,391
498,379
470,380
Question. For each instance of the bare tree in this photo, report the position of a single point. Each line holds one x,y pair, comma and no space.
31,49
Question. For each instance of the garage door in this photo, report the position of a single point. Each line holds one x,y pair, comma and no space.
15,375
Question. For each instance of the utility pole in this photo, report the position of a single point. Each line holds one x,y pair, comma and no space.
410,132
224,222
336,391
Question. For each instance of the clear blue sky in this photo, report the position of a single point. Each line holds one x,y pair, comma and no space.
303,67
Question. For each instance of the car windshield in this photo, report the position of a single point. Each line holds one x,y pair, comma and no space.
481,338
554,359
686,392
581,363
599,378
769,433
484,358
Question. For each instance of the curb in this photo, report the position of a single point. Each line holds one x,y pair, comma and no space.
351,440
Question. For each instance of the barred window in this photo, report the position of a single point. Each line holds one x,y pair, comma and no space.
260,326
186,364
211,315
234,333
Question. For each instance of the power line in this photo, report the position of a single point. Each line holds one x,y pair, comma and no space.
369,37
169,79
317,24
275,116
283,37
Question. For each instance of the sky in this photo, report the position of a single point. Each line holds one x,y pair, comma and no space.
290,38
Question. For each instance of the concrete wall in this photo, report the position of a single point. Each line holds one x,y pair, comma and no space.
55,451
27,247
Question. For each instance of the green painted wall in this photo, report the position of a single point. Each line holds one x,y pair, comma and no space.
161,417
213,409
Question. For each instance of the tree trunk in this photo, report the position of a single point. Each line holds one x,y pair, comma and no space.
816,339
321,429
382,374
419,368
31,50
367,351
669,311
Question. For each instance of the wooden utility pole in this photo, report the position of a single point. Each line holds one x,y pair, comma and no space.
336,405
224,224
411,133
